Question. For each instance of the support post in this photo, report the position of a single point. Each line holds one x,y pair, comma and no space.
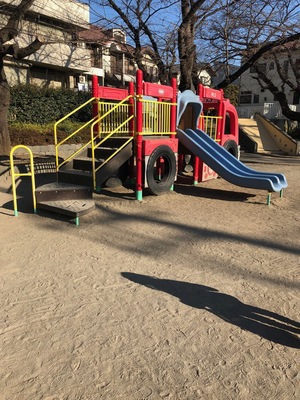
132,128
269,199
196,170
95,106
139,136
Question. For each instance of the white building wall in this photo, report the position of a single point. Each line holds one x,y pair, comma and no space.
69,11
259,96
60,52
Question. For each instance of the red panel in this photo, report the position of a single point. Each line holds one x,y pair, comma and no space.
111,93
158,91
212,94
149,145
206,173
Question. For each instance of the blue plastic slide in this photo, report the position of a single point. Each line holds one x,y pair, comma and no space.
226,165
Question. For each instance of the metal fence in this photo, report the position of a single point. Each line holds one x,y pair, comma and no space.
269,110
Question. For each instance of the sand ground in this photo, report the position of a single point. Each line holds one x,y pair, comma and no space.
191,295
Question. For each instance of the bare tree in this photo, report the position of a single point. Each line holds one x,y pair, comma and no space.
136,19
8,46
160,24
243,31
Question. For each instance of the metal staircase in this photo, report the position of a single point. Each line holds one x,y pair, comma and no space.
109,158
72,194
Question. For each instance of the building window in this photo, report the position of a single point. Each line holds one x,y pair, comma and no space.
262,67
97,57
245,97
116,63
129,66
271,66
255,98
296,98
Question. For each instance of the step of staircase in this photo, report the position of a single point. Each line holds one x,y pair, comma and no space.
75,176
79,171
85,163
66,199
102,153
62,191
70,208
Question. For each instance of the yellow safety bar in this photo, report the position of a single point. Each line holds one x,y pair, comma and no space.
106,126
117,129
57,144
109,121
210,125
156,117
14,175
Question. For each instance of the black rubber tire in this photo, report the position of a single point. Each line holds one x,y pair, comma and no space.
232,147
165,182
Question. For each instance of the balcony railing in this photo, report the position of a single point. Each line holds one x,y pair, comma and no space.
269,110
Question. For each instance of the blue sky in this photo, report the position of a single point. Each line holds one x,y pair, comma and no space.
96,11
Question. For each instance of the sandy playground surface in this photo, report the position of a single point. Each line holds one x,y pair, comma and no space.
191,295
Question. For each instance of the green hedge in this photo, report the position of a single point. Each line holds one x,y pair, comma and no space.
32,104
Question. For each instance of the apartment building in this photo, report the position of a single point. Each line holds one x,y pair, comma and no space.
60,61
74,50
251,92
114,56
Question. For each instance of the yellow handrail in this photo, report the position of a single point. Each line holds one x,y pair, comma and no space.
95,120
96,145
57,144
112,109
14,175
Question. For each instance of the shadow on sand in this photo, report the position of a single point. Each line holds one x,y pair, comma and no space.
266,324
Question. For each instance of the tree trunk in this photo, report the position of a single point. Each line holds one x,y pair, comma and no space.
4,105
279,95
286,111
186,50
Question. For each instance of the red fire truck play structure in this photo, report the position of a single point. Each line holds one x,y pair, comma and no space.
142,134
149,116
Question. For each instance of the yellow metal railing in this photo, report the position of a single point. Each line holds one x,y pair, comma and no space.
156,117
58,144
110,121
14,175
107,122
113,125
209,124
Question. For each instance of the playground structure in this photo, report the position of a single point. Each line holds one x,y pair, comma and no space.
142,133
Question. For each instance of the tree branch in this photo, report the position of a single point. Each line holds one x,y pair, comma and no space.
11,29
264,49
19,53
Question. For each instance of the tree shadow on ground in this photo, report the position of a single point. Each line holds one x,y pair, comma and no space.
264,323
24,191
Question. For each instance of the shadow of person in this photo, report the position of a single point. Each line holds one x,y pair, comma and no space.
259,321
